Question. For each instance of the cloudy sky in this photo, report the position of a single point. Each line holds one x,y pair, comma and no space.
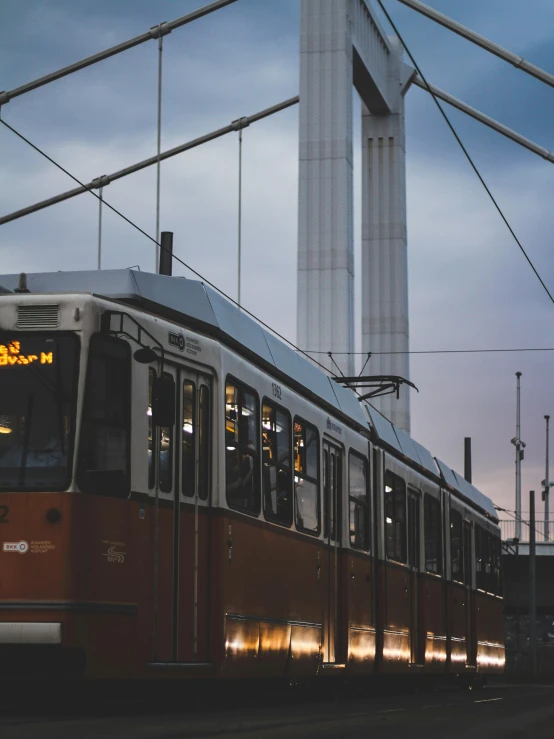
470,287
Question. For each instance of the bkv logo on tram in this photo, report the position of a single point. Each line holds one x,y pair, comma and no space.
16,546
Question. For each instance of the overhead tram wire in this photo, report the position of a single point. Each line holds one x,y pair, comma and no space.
465,151
174,256
441,351
516,518
153,33
107,179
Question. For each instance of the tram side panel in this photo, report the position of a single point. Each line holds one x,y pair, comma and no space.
271,576
359,612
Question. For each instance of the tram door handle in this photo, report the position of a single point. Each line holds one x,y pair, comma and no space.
230,544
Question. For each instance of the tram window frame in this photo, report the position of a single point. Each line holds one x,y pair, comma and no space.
396,546
432,534
300,476
357,503
204,441
284,470
457,573
92,425
246,449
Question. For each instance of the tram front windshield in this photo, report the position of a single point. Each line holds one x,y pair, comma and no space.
38,382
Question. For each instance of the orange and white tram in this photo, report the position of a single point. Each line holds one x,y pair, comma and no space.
182,495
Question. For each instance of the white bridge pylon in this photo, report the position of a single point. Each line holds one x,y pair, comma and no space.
343,47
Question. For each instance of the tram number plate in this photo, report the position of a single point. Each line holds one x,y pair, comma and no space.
276,390
4,510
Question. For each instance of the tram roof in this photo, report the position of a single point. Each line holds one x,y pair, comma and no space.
403,443
181,297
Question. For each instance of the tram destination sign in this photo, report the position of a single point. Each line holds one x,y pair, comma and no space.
13,355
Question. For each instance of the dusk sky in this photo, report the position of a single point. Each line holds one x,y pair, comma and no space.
469,285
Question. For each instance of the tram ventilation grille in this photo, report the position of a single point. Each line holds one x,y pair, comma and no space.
38,316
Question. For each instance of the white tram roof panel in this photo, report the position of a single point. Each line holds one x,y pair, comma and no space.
469,491
384,428
194,299
402,441
416,452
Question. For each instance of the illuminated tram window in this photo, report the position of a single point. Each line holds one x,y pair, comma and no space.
359,502
395,518
276,467
433,534
456,546
204,447
242,448
165,448
306,477
151,469
188,451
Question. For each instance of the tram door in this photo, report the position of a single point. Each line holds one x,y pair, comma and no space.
414,565
183,539
332,527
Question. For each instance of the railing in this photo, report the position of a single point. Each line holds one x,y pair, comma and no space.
542,532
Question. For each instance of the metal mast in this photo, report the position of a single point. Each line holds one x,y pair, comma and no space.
519,445
546,484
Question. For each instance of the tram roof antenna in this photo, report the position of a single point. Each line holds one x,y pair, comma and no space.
161,29
22,285
467,33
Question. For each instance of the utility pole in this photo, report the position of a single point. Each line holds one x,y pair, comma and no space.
532,585
520,446
546,488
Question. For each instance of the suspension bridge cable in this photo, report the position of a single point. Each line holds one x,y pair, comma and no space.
151,238
465,151
165,28
106,179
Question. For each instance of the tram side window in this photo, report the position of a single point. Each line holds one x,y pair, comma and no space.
103,463
433,534
497,572
276,466
242,448
165,452
306,477
395,518
480,558
204,410
467,553
489,585
456,546
359,502
188,444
